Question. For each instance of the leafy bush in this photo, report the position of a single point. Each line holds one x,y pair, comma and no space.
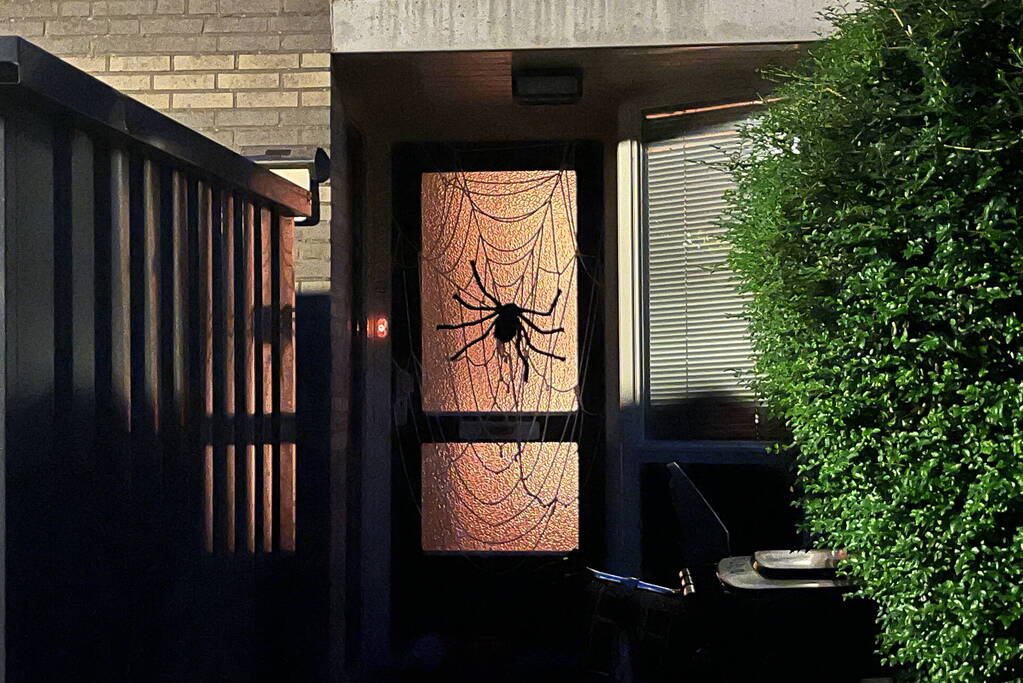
876,227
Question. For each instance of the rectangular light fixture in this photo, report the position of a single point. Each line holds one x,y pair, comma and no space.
547,86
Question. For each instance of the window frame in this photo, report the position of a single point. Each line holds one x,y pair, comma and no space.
634,302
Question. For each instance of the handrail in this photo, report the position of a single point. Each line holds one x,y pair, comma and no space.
31,70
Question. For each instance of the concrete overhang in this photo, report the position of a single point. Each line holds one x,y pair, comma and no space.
448,25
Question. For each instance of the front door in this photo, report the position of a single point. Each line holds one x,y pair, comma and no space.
498,405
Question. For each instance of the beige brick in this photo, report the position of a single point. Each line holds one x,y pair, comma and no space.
124,26
147,45
278,61
312,269
316,251
313,233
317,286
250,6
202,6
65,45
204,100
76,8
29,8
184,82
266,136
306,116
319,42
248,81
315,136
90,64
267,99
171,25
122,8
12,27
292,23
316,60
203,62
87,26
248,43
140,63
170,6
307,6
195,118
247,117
316,98
154,100
234,25
122,82
307,79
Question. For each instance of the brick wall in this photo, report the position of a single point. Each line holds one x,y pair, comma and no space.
250,74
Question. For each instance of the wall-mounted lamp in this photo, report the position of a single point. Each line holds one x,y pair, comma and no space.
547,86
302,166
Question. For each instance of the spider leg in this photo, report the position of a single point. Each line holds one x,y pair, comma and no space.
549,310
540,351
466,304
469,323
479,281
533,325
522,356
474,341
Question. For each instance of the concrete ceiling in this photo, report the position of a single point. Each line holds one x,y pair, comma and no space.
415,90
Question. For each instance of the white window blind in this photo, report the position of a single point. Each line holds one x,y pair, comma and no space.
696,341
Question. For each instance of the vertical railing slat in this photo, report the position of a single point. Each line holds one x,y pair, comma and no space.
120,314
83,296
230,388
151,316
248,271
223,492
267,373
275,383
62,222
286,433
181,335
205,301
29,450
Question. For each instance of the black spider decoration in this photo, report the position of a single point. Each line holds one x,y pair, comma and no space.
508,324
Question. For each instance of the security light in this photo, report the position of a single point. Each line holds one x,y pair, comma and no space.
547,86
304,167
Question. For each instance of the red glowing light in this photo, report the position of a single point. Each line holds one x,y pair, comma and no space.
380,327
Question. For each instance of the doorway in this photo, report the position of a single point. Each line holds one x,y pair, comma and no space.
498,415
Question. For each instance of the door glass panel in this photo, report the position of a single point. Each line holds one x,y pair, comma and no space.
481,497
499,241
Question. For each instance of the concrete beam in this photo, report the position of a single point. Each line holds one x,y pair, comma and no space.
434,25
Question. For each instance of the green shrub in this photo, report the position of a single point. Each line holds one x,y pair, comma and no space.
876,227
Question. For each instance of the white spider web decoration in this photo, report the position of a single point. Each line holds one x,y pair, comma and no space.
520,229
480,497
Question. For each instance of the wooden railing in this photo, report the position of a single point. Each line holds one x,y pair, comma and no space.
149,385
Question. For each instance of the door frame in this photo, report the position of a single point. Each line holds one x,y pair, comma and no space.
408,162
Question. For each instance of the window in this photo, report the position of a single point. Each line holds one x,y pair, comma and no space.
482,497
490,240
697,350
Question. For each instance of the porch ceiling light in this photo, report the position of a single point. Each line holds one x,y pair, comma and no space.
547,86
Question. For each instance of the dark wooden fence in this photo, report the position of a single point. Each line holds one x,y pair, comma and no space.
148,388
